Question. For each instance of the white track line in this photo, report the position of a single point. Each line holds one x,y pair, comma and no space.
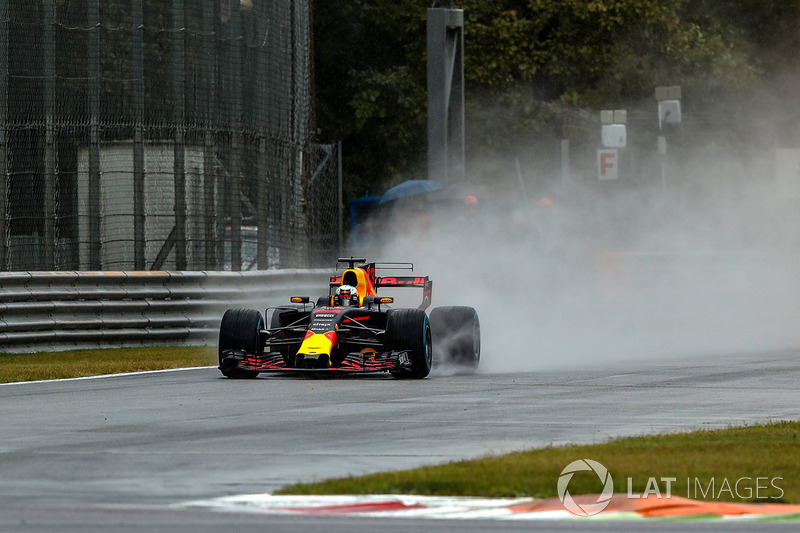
106,376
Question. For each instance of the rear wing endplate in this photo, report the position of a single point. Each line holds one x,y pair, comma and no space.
410,281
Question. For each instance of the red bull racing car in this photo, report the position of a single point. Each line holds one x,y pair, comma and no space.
351,330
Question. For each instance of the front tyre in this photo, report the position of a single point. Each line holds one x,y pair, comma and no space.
240,330
408,330
457,331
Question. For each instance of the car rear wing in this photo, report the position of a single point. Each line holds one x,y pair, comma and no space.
410,281
351,262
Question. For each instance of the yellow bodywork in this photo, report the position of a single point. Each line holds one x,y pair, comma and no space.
362,285
315,344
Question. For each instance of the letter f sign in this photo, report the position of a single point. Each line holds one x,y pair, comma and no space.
607,164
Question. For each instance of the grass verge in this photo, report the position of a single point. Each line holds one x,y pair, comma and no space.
79,363
705,465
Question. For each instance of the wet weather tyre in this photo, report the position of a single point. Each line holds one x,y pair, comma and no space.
240,330
457,337
409,330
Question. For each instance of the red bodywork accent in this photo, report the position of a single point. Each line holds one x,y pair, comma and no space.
358,319
352,363
405,281
351,508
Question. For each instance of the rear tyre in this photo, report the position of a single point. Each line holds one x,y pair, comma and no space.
409,330
457,331
240,330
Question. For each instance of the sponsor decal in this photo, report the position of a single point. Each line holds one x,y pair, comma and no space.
402,281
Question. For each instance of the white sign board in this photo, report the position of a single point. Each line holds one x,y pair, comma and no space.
669,112
614,136
607,164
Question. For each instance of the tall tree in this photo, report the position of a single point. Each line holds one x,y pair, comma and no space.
526,61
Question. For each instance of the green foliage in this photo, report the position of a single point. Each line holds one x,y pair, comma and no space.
79,363
370,77
525,60
500,51
758,451
620,50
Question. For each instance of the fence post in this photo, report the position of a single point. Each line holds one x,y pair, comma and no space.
235,86
207,99
340,202
4,15
263,188
137,64
93,49
178,117
299,130
264,193
49,65
276,172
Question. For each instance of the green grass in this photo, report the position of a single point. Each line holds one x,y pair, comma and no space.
79,363
694,459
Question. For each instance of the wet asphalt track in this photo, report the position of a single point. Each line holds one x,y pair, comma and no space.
90,455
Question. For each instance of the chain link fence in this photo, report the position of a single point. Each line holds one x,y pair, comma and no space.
161,134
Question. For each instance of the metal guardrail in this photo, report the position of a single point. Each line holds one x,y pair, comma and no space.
63,310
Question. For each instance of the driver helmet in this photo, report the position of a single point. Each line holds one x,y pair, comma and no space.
346,296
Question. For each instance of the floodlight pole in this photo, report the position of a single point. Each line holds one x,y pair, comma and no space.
446,92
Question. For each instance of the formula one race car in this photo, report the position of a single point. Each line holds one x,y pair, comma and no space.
351,330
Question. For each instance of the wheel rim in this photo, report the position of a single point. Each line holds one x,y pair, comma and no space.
476,339
428,344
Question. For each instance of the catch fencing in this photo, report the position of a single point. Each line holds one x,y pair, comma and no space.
161,135
62,310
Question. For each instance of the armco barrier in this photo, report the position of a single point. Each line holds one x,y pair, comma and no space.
63,310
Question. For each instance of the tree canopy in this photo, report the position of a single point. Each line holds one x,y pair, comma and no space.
526,58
